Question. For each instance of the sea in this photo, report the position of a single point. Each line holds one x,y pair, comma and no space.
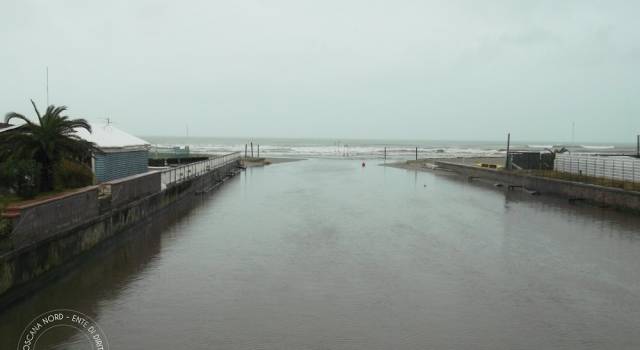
370,148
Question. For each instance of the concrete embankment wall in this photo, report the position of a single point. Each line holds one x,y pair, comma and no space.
593,194
54,233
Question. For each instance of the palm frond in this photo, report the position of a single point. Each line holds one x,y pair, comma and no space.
14,115
37,112
58,110
78,124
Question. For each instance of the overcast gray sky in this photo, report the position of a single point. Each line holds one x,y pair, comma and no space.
332,68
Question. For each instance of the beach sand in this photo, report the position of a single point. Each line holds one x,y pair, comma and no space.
267,161
282,160
426,164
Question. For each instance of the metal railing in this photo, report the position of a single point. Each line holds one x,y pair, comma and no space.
617,168
185,172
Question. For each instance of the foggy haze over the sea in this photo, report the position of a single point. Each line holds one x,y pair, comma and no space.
337,69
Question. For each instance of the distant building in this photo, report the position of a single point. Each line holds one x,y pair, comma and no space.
527,160
122,154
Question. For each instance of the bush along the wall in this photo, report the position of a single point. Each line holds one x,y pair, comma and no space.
70,174
20,176
5,229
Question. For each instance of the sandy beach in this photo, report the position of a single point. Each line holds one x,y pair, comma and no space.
282,160
426,164
250,162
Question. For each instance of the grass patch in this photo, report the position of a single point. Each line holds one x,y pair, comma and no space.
625,185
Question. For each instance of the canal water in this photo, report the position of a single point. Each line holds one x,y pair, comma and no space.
326,254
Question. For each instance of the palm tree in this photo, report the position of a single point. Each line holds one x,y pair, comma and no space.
48,142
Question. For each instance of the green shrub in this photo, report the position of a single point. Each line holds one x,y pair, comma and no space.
20,176
5,228
70,174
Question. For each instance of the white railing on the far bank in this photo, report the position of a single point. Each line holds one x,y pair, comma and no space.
185,172
620,168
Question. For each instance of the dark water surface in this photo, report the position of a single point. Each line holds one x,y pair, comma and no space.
323,254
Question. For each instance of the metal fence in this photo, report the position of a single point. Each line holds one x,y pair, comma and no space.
178,174
159,152
620,168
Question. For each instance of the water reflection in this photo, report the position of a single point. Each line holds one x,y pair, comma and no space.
101,277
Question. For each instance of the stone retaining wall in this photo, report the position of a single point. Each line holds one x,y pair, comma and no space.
24,265
36,220
594,194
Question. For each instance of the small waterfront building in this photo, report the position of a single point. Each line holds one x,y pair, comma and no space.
121,155
527,160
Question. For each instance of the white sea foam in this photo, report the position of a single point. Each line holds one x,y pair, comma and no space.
318,148
341,151
597,147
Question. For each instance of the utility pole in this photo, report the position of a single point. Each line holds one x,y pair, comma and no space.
47,86
638,146
245,150
251,149
416,153
385,153
507,163
258,151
